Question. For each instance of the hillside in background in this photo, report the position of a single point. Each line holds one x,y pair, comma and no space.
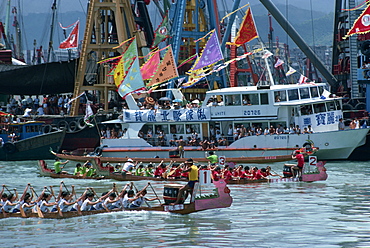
37,25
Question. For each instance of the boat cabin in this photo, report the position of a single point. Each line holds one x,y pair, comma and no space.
18,131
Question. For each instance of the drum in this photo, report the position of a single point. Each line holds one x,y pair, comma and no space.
170,193
287,171
174,154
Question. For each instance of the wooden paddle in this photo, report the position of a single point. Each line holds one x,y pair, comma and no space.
155,193
39,212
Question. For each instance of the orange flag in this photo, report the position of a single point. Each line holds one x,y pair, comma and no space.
166,70
247,31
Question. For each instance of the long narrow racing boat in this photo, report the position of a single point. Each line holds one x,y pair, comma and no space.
45,171
319,174
220,198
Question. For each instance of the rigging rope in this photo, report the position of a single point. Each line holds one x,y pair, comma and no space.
313,31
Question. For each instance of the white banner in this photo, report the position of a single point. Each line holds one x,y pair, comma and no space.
164,115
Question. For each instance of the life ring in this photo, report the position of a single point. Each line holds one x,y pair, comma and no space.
227,190
47,129
62,125
307,146
9,148
98,151
81,123
72,127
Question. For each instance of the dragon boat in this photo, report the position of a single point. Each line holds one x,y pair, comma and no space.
219,198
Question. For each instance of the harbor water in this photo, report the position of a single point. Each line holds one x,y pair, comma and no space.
333,213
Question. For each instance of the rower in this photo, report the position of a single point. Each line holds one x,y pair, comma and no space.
300,163
57,166
64,203
128,166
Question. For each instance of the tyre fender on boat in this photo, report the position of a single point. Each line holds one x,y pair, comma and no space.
81,123
9,148
47,129
72,127
98,151
62,125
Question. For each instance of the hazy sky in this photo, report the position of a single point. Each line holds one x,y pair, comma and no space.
37,6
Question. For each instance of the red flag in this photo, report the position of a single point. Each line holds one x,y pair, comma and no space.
247,30
361,25
72,39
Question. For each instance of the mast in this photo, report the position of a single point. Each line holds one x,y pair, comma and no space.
50,49
6,27
293,34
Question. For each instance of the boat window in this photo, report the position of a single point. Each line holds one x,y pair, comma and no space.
232,99
319,107
250,99
338,105
304,93
314,92
321,90
293,95
330,106
306,109
264,98
280,96
194,127
28,129
163,128
176,129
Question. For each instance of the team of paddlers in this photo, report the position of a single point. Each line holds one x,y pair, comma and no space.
174,170
65,201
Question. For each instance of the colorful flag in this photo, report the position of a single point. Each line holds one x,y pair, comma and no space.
88,114
151,65
278,63
302,79
325,94
290,71
267,54
161,33
210,54
247,32
195,77
166,70
72,39
361,25
133,80
124,63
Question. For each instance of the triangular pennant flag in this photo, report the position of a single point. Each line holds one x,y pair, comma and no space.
72,39
302,79
194,77
149,68
88,114
161,33
247,31
361,25
291,71
278,63
124,63
133,80
210,54
118,73
166,70
267,54
129,55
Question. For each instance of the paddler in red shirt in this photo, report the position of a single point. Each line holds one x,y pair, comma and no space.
260,174
300,163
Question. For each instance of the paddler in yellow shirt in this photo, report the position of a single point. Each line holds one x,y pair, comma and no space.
193,178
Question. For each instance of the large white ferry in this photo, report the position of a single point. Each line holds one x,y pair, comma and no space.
279,106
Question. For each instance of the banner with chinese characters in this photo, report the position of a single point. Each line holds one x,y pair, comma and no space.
164,115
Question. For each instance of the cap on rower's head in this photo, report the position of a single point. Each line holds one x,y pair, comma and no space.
130,160
297,151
